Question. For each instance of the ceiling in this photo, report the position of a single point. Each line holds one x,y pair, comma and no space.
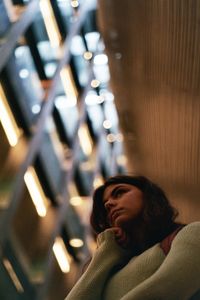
153,48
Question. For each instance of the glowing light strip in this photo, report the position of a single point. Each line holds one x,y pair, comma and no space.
76,201
13,275
35,189
85,139
61,254
69,85
50,23
8,122
76,243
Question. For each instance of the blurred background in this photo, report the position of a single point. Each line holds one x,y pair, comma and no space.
87,90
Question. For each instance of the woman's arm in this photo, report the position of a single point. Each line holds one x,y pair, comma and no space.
178,278
108,255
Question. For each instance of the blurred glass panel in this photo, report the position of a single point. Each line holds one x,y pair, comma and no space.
51,158
68,115
55,140
94,109
105,156
4,20
28,223
81,65
29,78
49,57
14,281
45,41
101,69
86,160
12,151
111,115
23,91
67,12
92,39
66,110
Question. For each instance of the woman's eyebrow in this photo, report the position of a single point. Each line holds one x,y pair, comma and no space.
113,192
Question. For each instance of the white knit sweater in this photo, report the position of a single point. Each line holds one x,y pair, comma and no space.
149,276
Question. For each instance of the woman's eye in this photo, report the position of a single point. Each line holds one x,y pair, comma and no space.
119,192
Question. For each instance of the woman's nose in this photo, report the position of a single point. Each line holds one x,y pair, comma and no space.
110,203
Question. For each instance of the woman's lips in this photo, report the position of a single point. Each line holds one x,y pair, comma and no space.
114,214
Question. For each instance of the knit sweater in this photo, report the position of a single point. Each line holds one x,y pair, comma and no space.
148,276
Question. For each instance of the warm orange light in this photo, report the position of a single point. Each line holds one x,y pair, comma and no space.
107,124
7,120
50,23
35,189
69,86
85,139
62,255
87,55
74,3
76,243
13,275
95,83
111,138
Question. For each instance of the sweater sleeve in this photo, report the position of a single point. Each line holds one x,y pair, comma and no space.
178,277
107,256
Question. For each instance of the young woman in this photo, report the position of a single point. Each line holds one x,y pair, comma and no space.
142,253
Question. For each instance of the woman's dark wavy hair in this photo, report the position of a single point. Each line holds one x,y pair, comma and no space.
158,215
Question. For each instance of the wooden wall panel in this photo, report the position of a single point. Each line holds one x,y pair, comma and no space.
154,54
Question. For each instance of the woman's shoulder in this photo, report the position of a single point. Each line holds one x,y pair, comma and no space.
194,226
189,232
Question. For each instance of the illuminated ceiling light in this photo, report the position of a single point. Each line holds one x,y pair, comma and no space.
98,181
23,73
85,139
36,108
93,99
77,45
69,86
111,138
36,192
76,201
87,55
62,255
95,83
61,102
10,127
76,243
107,124
74,3
100,99
122,160
100,59
50,23
19,51
92,39
13,275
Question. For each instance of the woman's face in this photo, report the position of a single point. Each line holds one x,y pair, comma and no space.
123,203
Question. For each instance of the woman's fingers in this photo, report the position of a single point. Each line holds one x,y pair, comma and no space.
121,236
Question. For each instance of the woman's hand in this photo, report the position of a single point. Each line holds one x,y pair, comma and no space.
121,236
